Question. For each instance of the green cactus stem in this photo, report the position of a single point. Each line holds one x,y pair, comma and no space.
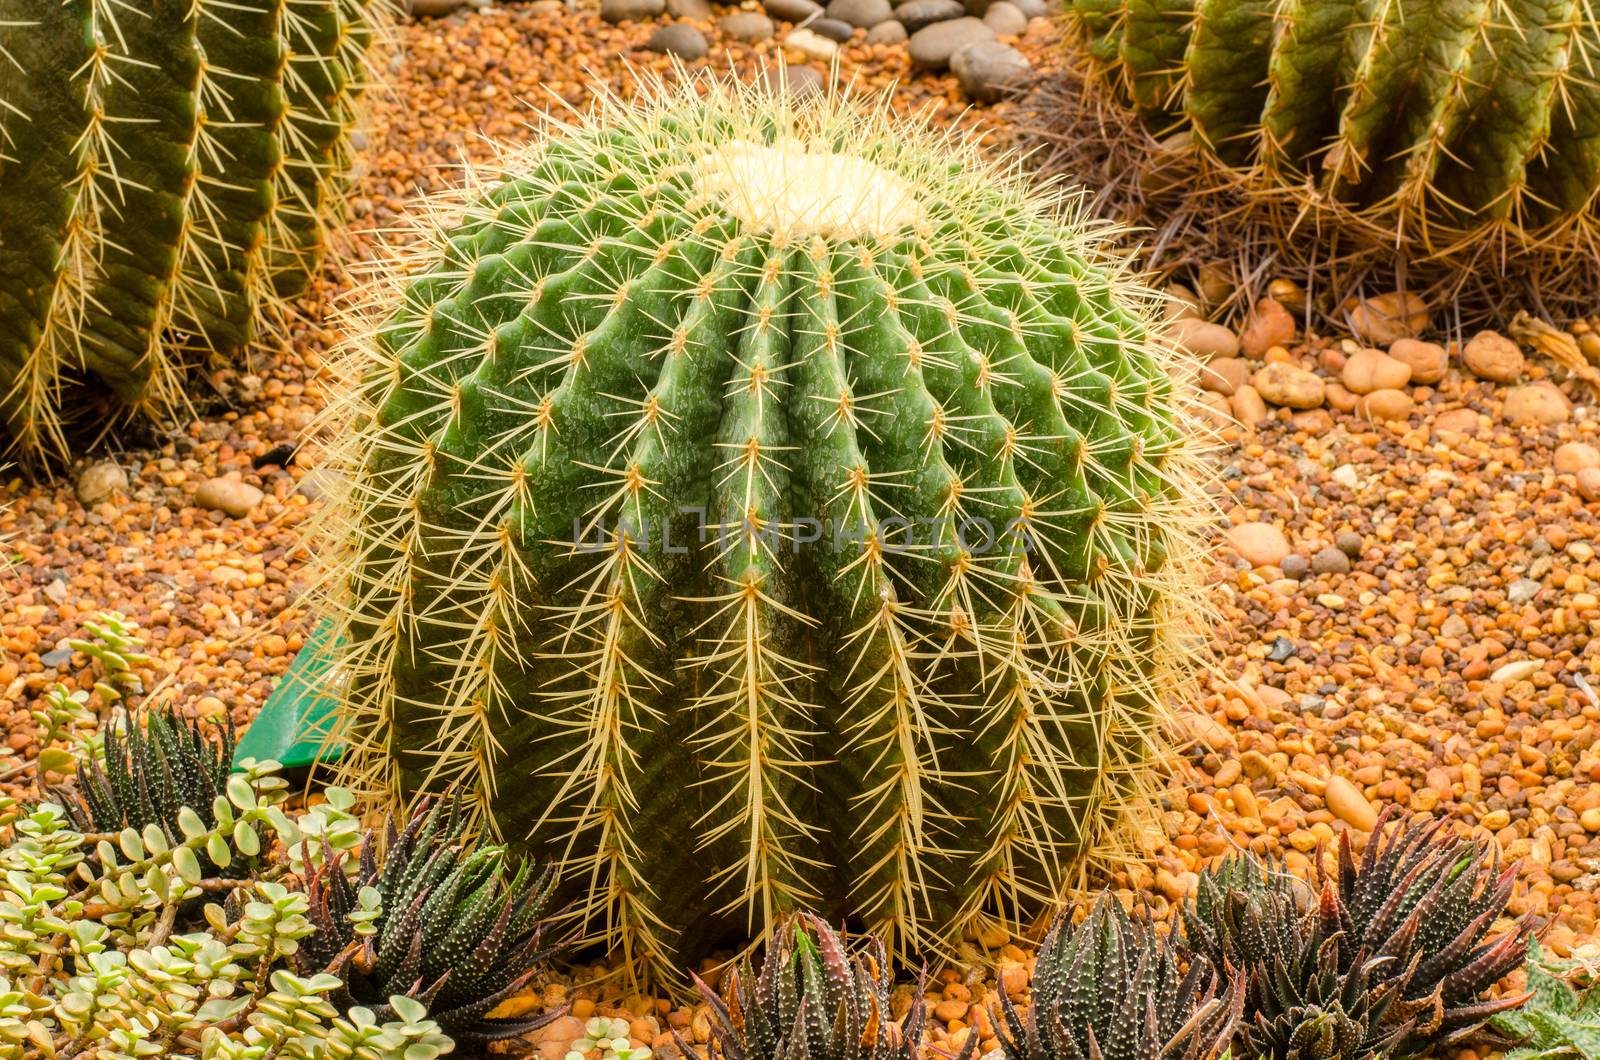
760,505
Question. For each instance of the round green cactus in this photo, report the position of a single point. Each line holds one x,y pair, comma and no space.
159,164
760,505
1457,135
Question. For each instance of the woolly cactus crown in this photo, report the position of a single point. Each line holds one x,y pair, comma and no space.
760,504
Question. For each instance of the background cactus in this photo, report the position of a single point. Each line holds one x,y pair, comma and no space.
164,178
664,465
1449,142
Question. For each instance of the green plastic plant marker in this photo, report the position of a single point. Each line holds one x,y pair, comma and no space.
294,723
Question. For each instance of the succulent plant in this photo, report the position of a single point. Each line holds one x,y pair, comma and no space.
153,162
811,1001
110,947
454,927
1111,988
1398,940
149,769
1560,1021
1355,132
759,505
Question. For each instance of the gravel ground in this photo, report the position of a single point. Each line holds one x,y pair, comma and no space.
1431,655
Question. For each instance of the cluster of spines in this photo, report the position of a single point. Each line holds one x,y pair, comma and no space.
598,276
1441,126
162,186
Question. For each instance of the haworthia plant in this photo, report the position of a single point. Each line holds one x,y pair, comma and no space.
757,505
1449,117
156,172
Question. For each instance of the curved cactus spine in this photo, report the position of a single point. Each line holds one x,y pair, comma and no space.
663,528
1444,138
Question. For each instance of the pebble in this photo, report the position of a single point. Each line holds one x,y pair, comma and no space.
797,80
1258,544
699,10
1203,339
1347,803
792,10
229,495
1522,590
811,45
932,46
747,26
989,70
1386,404
680,39
1247,406
1538,405
862,14
1386,318
1573,457
1368,370
1589,484
1006,19
1287,384
890,32
832,28
1269,324
915,14
1428,360
1490,355
631,10
1330,560
1224,375
100,482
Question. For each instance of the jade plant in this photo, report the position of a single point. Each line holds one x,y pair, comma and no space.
115,944
761,504
1111,988
1456,138
168,171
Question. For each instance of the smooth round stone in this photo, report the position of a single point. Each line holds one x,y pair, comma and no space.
989,70
862,14
811,45
695,9
832,29
792,10
631,10
747,26
680,39
796,80
915,14
1004,18
932,46
1031,8
890,32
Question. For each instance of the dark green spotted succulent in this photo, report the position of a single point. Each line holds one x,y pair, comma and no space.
811,1001
454,925
168,171
148,771
1387,956
1111,988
